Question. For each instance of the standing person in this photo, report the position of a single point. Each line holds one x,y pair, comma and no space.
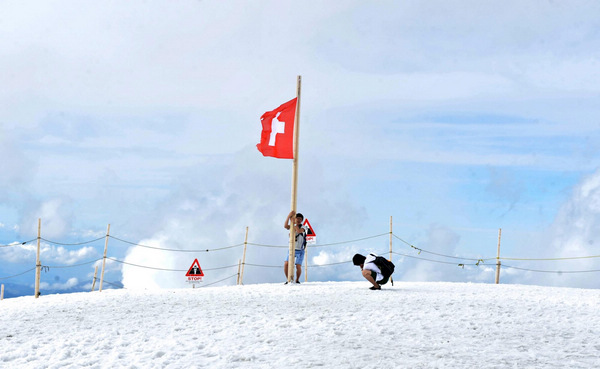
370,271
300,244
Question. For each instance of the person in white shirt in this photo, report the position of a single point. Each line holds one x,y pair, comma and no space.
300,245
370,271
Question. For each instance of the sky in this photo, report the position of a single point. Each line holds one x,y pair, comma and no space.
455,119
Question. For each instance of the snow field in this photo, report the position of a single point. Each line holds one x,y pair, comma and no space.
313,325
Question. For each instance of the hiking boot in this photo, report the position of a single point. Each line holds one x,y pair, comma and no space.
298,282
375,288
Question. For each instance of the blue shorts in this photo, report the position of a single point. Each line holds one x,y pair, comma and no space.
299,257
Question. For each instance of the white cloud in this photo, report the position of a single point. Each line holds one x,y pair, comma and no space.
60,254
70,283
326,256
109,265
135,277
574,233
49,254
55,215
215,49
17,167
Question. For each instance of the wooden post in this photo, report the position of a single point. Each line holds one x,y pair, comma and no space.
244,257
38,264
306,264
239,275
498,257
291,260
2,293
94,281
390,238
104,259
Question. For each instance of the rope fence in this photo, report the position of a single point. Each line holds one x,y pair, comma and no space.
18,244
71,244
460,261
322,245
495,258
175,250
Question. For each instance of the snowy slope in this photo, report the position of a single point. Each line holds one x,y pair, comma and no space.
313,325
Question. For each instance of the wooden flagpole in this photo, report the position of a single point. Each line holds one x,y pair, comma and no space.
291,260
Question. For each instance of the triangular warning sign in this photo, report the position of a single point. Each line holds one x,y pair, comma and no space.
310,232
311,236
195,270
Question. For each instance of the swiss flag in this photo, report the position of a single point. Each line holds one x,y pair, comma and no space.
277,137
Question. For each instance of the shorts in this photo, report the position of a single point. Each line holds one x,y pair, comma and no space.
299,256
381,282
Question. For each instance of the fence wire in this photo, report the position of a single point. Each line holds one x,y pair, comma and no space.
73,244
15,244
477,261
175,250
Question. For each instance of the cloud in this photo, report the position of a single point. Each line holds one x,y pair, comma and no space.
49,254
574,233
441,240
56,218
505,186
203,61
69,284
69,257
326,257
17,167
109,265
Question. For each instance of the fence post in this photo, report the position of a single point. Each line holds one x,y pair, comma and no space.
306,264
238,274
390,238
38,264
94,281
244,257
2,293
498,257
104,259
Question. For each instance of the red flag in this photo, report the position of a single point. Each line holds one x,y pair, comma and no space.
277,137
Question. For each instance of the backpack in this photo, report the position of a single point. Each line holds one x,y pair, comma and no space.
386,266
303,235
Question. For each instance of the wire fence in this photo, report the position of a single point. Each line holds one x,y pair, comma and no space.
412,252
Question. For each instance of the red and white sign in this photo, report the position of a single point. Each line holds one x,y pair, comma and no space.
311,236
195,273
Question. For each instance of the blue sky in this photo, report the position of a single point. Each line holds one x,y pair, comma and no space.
455,118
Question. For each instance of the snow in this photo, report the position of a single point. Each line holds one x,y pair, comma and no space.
313,325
